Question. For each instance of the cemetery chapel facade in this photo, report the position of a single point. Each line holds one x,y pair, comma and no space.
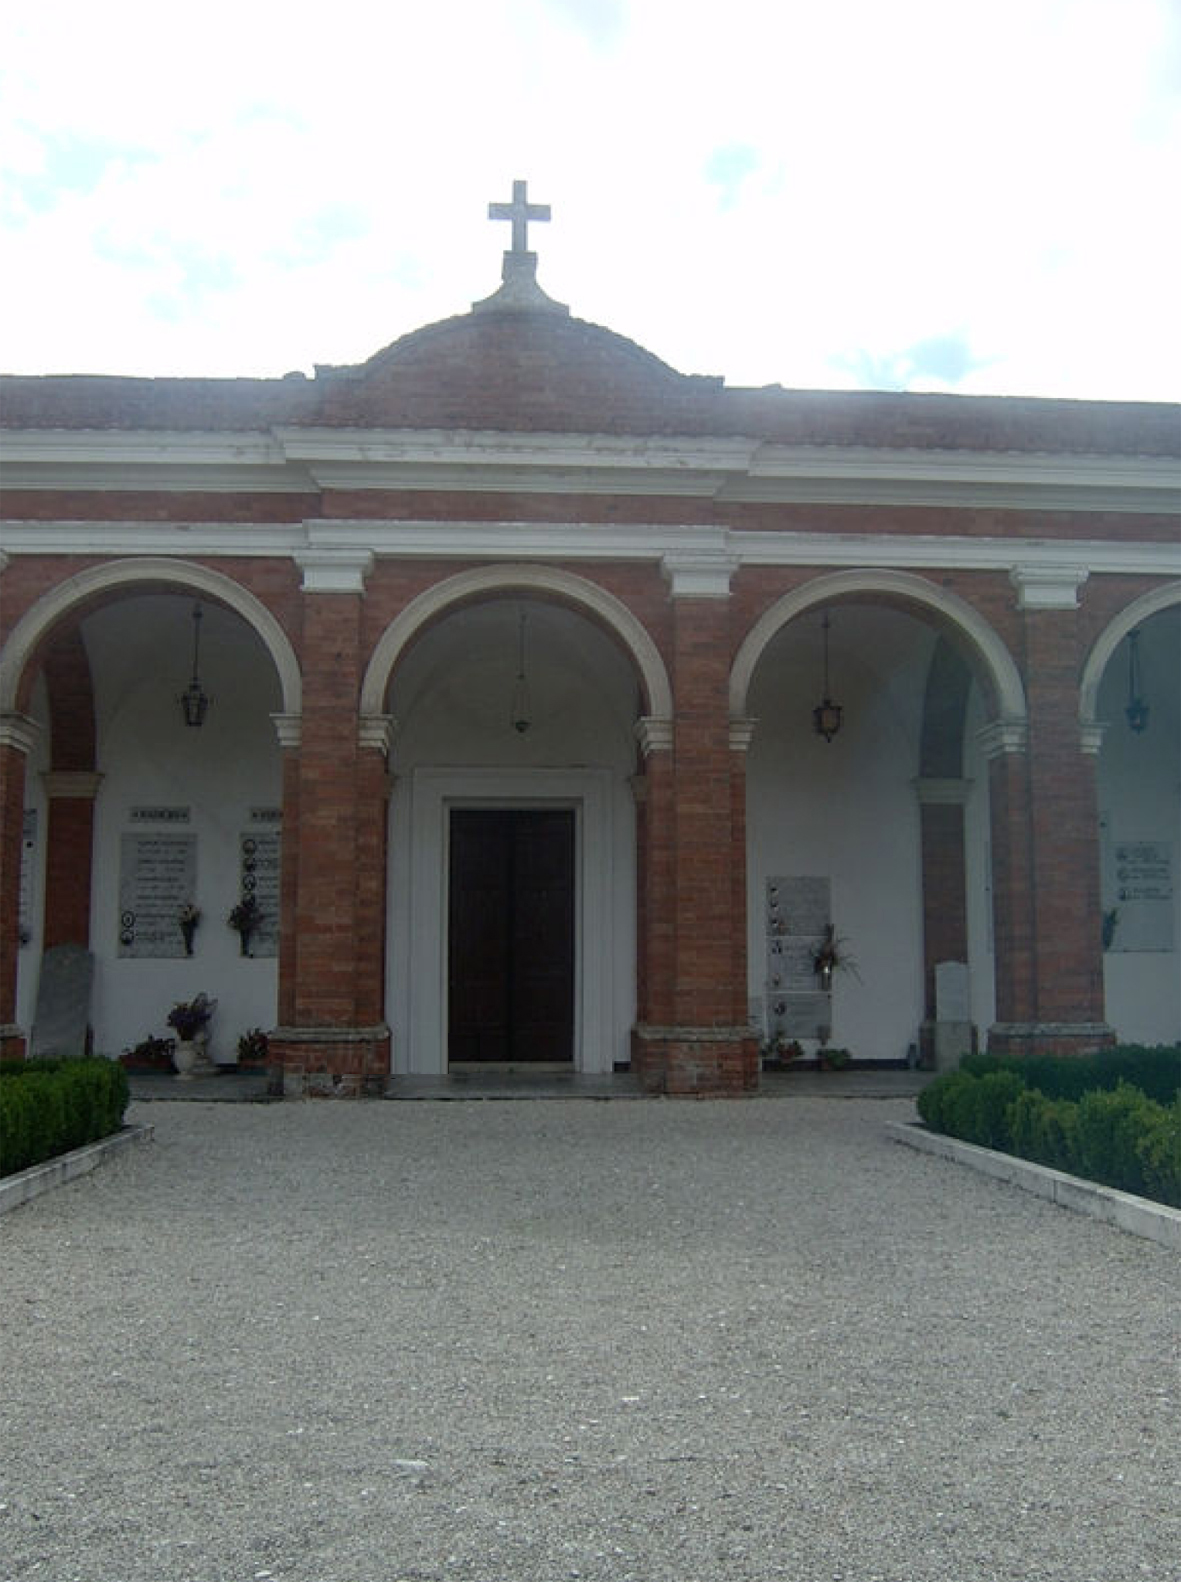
558,708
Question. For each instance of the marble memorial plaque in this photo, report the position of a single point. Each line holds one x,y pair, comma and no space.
951,991
157,877
63,1002
1143,892
804,903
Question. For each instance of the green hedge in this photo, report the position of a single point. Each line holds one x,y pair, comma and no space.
1118,1136
1155,1070
48,1107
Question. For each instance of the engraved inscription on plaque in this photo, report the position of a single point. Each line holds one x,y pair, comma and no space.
797,914
259,860
157,877
1142,889
28,866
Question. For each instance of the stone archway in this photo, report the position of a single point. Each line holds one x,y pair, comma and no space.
84,818
984,649
444,668
157,571
1137,771
909,841
466,586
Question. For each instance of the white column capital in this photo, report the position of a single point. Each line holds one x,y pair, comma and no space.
699,573
654,735
334,570
80,783
741,735
19,731
288,728
377,730
1002,737
1042,587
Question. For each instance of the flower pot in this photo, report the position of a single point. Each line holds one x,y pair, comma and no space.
186,1057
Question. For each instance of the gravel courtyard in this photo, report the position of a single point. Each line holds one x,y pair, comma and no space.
527,1342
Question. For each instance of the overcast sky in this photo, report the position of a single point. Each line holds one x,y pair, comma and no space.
814,193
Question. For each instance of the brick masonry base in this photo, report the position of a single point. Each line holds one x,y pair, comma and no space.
329,1062
715,1062
12,1043
1049,1038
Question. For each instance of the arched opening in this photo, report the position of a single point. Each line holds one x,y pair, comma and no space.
175,816
1138,661
512,828
882,833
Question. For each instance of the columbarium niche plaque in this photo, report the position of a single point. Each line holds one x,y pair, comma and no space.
797,914
157,877
259,877
28,869
1142,886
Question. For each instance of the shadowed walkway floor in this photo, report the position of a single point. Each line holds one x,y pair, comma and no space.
251,1086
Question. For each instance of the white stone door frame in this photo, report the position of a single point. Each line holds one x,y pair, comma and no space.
420,839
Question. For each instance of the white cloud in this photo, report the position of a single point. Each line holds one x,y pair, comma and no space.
776,192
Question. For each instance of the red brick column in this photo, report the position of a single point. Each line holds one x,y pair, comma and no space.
333,1039
69,856
694,1037
17,735
656,898
1046,855
72,786
1012,876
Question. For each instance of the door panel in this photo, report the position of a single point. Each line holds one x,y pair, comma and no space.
511,935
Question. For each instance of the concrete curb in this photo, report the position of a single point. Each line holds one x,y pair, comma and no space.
1136,1215
25,1185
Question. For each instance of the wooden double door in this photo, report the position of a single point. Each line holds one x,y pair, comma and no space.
510,952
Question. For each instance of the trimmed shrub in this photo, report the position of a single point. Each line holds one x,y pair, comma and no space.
1159,1147
1043,1130
48,1107
979,1110
972,1108
1110,1128
1118,1136
932,1101
1156,1070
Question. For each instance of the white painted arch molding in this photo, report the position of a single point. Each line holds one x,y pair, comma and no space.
948,610
465,586
159,572
1105,645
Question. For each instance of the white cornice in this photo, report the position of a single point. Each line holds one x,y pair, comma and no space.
141,459
1052,560
730,469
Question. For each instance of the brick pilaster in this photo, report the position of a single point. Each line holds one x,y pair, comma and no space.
693,1036
332,1037
1046,859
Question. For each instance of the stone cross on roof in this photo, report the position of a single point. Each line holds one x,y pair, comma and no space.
520,211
